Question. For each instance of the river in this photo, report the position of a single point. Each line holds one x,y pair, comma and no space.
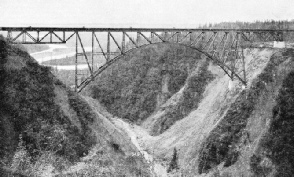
61,51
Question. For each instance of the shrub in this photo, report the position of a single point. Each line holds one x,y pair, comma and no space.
173,165
21,161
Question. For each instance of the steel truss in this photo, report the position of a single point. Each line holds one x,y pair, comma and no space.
223,46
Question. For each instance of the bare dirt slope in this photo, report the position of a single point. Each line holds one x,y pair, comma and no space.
225,134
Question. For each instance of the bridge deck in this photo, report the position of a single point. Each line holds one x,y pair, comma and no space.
84,29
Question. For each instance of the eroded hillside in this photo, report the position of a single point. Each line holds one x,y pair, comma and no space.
217,126
138,84
236,132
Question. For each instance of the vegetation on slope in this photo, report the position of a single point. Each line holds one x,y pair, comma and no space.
223,142
134,87
66,76
45,128
191,96
35,123
279,140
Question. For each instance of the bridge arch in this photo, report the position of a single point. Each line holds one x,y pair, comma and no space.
228,71
227,41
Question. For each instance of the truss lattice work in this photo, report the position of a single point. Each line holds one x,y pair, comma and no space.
223,46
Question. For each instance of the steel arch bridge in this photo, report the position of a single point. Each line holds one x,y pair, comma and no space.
223,46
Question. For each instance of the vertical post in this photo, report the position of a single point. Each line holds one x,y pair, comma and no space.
238,36
38,36
191,38
224,47
282,36
92,51
138,38
24,36
274,36
108,46
63,36
85,55
152,36
76,64
243,65
165,35
123,43
251,36
171,36
51,36
235,46
9,35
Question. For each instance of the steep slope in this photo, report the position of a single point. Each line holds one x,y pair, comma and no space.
252,121
181,103
225,129
135,86
232,132
45,128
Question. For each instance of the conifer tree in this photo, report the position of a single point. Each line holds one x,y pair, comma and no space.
174,162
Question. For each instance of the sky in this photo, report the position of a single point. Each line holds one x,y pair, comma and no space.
139,13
